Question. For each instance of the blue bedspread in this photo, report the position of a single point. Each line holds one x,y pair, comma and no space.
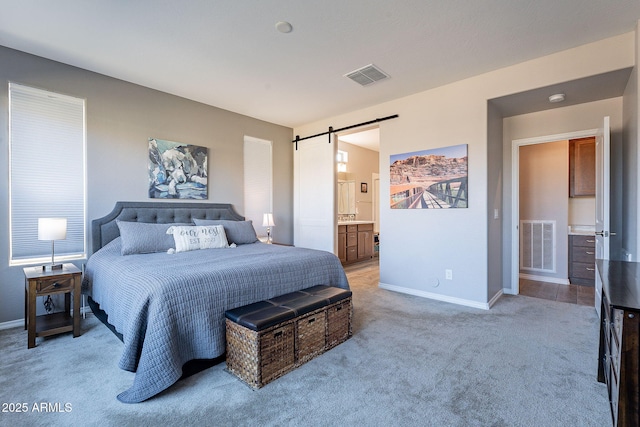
170,308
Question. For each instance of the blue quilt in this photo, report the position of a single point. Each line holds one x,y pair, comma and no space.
170,308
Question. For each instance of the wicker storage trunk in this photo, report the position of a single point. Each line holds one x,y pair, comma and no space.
259,357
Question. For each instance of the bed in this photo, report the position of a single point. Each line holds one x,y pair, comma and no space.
169,307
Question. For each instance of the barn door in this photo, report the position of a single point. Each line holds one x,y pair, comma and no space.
314,187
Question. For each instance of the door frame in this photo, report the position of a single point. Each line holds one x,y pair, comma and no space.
515,195
375,185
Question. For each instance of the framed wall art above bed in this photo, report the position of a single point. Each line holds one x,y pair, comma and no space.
176,170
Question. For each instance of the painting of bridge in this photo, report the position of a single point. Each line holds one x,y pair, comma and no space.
429,179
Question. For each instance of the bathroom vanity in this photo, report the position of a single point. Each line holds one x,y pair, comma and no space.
355,241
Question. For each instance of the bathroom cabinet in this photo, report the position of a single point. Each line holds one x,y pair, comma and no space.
582,260
582,167
355,242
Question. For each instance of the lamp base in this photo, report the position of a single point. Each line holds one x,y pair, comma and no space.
52,267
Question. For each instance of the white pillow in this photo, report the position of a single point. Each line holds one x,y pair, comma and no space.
191,238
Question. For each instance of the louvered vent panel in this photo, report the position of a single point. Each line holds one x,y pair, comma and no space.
367,75
538,245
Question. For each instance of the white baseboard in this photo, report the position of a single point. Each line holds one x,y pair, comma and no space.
438,297
495,298
555,280
12,324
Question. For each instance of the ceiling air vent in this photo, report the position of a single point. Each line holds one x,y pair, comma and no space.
367,75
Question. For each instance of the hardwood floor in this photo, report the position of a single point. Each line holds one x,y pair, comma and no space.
574,294
368,273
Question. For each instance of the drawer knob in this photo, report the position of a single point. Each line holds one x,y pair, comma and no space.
631,315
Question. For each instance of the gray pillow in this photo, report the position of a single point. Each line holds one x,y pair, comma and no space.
144,238
238,232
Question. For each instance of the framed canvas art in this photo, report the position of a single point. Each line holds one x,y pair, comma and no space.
177,171
429,179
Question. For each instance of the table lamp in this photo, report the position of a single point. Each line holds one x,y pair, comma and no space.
267,221
52,229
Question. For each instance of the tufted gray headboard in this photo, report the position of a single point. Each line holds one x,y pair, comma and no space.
105,229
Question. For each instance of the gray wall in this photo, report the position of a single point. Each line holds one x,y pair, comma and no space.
494,201
120,118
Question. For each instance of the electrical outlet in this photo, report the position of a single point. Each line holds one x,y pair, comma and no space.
448,274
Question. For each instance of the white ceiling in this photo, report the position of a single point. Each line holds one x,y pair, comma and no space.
369,139
227,53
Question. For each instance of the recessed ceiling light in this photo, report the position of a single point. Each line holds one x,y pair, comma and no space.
284,27
558,97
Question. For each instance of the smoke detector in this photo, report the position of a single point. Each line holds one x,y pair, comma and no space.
366,75
558,97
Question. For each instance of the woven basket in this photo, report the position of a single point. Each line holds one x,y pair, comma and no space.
260,357
311,333
339,317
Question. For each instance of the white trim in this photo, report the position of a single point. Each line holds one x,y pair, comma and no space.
515,194
495,298
438,297
546,279
12,324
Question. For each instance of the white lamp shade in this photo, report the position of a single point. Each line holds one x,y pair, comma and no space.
267,220
52,228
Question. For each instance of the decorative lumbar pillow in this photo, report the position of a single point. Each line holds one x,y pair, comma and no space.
238,232
191,238
144,238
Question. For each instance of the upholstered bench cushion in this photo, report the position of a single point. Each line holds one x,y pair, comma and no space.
264,314
260,316
330,293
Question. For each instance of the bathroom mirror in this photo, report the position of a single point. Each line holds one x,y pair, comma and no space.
346,197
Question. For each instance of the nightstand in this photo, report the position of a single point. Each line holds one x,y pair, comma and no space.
39,283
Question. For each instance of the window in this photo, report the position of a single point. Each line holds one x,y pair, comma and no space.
342,158
258,187
46,172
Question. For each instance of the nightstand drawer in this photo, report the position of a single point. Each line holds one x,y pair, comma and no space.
55,284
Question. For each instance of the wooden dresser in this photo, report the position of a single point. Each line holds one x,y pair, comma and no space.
619,356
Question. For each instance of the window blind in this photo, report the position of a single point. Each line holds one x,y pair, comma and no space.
257,181
47,171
